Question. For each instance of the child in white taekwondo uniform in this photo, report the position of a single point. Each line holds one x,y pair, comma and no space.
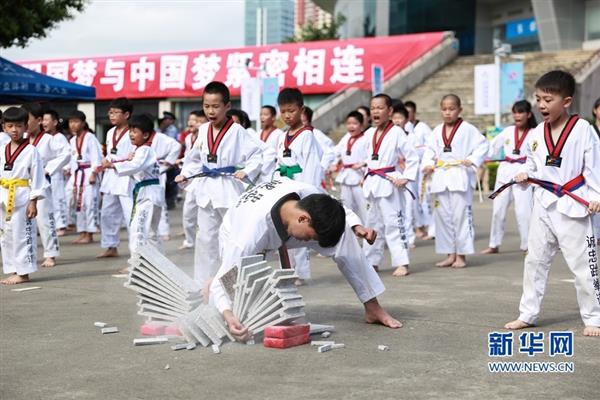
190,208
351,151
221,148
327,147
21,185
270,135
384,185
86,157
148,194
511,140
116,200
167,150
425,227
563,160
57,179
299,157
456,147
282,214
54,157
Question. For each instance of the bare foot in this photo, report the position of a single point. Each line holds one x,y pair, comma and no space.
461,262
165,238
61,232
429,238
185,245
401,271
420,232
447,262
412,246
490,250
110,252
87,238
79,239
376,268
124,270
49,262
591,331
299,282
517,324
15,279
375,314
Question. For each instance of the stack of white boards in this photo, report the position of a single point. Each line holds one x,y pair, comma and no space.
261,296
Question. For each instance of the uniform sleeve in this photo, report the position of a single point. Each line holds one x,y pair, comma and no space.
62,154
481,145
496,145
429,154
311,155
591,165
411,157
38,181
174,149
252,154
95,153
529,167
141,160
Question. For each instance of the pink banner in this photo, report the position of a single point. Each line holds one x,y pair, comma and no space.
314,67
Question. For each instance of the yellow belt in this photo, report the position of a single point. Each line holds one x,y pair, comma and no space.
458,163
447,164
11,185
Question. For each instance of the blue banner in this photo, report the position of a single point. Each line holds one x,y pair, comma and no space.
270,91
520,29
512,85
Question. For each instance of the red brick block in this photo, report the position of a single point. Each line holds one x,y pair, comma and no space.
277,343
286,331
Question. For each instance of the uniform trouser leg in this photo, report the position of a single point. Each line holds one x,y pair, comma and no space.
164,228
110,221
596,223
47,225
190,217
206,254
144,226
301,260
87,216
390,210
58,200
523,206
375,252
409,215
453,215
70,213
499,211
549,231
18,242
352,197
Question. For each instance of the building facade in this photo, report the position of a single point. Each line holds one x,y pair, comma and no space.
268,21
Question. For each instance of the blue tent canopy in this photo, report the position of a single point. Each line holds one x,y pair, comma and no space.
18,84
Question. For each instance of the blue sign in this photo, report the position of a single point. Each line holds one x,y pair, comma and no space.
376,79
512,87
521,29
270,91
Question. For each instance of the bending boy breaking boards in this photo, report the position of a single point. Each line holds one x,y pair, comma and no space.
285,214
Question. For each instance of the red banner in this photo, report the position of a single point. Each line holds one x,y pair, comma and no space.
314,67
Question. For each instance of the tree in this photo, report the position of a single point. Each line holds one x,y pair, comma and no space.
22,20
311,32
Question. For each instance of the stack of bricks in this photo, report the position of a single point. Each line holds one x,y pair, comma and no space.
282,337
261,297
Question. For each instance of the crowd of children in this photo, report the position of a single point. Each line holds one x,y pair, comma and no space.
397,176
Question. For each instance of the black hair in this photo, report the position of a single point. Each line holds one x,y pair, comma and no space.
52,113
16,114
355,114
241,115
557,82
271,109
523,106
34,109
327,217
123,104
77,115
308,113
198,113
142,122
366,109
388,100
596,105
290,96
216,87
410,104
400,109
452,97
